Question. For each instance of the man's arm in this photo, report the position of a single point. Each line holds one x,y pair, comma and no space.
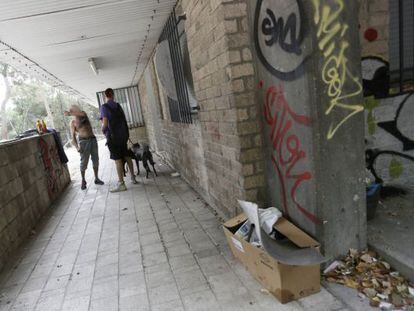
73,132
75,113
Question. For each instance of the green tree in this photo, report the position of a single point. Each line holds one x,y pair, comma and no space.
27,107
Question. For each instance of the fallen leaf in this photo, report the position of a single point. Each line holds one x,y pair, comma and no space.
370,292
351,283
366,258
386,265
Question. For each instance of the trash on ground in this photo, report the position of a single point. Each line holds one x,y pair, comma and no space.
278,263
274,243
265,291
374,278
176,174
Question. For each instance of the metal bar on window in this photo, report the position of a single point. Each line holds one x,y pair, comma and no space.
180,110
401,41
128,98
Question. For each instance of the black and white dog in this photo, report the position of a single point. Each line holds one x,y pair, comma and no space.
143,154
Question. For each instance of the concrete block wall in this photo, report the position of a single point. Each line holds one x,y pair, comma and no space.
309,93
220,154
31,178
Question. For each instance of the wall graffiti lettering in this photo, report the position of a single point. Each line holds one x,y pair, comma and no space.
278,34
51,164
375,76
380,160
373,155
336,73
392,127
287,150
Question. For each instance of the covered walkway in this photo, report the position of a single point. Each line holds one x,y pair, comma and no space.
157,246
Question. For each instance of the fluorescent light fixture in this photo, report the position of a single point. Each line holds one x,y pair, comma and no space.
92,63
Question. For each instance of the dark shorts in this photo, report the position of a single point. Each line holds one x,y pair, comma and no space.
118,151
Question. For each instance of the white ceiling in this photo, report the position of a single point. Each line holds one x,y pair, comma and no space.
53,39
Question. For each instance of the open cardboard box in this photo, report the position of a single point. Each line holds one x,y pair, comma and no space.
286,282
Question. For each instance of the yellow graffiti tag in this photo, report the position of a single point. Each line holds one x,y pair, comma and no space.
335,71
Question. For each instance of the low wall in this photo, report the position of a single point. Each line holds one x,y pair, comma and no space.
31,178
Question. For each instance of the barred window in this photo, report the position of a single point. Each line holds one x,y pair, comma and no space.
184,105
128,98
401,44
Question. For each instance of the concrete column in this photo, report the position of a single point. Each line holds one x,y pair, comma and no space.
307,59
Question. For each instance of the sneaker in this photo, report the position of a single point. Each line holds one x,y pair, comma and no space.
99,182
134,181
83,186
121,187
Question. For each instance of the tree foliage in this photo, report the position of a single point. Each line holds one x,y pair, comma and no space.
26,100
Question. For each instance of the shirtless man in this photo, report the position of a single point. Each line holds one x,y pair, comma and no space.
85,142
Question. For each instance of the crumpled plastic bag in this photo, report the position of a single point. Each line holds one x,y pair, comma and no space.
268,217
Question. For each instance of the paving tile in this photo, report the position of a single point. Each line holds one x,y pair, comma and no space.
175,305
155,247
50,301
105,288
26,301
104,304
134,303
57,282
163,294
201,301
76,304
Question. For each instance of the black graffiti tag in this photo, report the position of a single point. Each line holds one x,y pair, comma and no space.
279,32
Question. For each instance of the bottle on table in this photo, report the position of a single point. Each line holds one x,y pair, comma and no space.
44,127
39,127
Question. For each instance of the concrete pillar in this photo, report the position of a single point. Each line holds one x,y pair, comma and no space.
307,58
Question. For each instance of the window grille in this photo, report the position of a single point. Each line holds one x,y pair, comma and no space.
401,43
128,98
180,110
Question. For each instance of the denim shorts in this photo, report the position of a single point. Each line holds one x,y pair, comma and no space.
88,148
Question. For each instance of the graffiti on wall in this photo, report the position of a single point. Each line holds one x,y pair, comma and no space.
278,35
396,128
397,131
336,73
52,165
287,149
375,76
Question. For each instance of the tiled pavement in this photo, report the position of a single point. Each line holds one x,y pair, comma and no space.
155,247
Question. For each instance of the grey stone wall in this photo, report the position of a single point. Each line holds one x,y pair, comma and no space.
309,93
31,178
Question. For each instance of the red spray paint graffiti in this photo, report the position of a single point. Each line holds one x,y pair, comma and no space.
287,151
49,156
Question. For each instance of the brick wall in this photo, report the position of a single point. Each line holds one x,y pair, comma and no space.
220,154
139,134
27,188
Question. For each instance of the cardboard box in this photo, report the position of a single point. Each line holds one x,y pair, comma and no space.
286,282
